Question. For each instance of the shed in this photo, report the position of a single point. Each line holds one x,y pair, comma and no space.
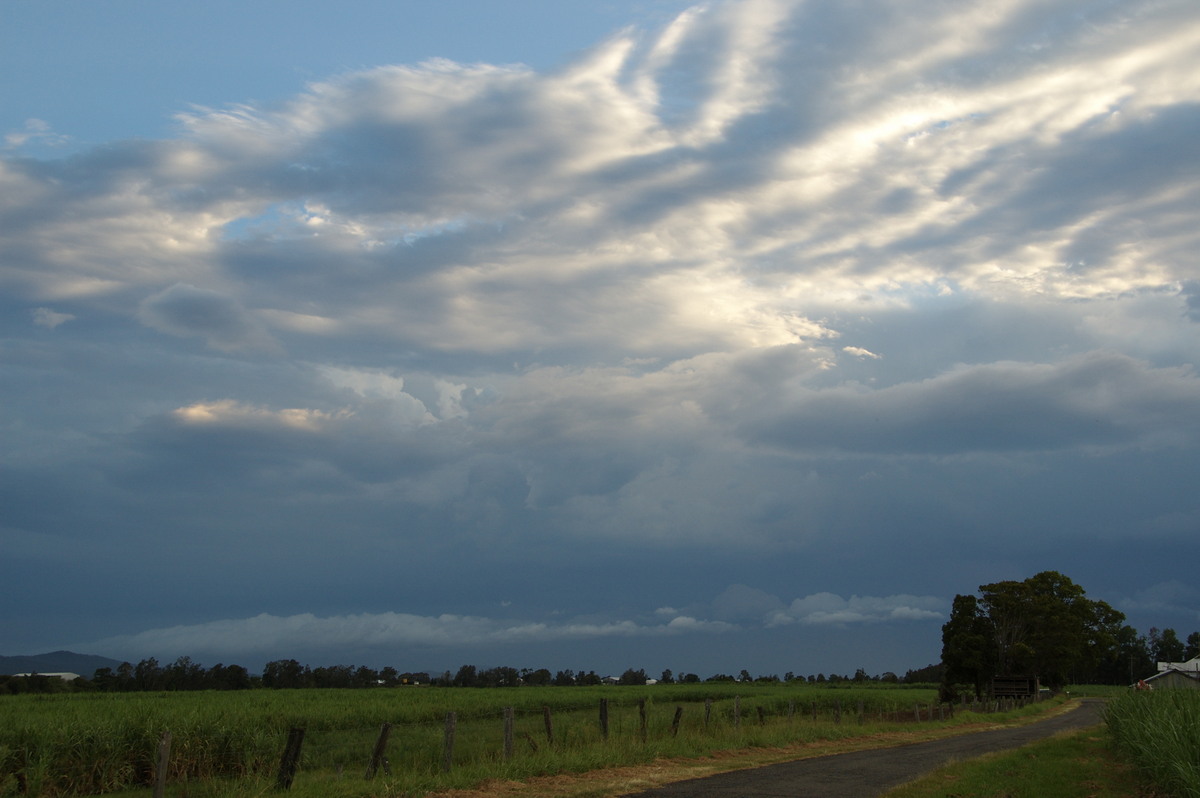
1172,679
66,677
1015,687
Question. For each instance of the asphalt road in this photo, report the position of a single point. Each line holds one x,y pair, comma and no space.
863,774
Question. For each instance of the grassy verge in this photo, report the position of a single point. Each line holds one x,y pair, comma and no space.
1075,765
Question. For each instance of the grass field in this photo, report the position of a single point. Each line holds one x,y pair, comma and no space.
1159,732
229,743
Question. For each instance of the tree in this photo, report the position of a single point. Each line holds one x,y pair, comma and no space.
1193,646
968,648
183,674
668,677
467,676
500,676
1128,661
536,678
1165,646
631,676
229,677
147,675
286,674
365,677
1043,626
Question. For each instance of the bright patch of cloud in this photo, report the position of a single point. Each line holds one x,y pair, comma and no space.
266,633
45,317
228,412
828,608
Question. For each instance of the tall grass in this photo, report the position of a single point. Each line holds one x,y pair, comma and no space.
1160,732
229,743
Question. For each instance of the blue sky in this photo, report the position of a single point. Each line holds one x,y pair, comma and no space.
703,337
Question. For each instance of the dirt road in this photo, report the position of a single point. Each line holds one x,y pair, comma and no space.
870,773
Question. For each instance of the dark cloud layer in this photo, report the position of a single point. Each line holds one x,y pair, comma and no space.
745,342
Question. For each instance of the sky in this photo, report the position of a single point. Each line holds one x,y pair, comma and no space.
709,337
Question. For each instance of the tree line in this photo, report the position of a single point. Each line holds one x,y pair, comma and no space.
149,675
1046,626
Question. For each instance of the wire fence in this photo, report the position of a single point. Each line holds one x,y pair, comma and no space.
186,748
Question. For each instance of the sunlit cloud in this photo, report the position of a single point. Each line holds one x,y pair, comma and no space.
827,608
45,317
779,294
265,633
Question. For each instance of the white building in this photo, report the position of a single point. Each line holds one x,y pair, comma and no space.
1191,666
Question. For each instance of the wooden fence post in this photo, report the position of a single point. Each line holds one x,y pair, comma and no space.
837,711
861,713
508,733
762,718
448,741
549,724
164,760
917,712
707,712
291,758
737,712
791,709
604,718
675,722
377,755
642,719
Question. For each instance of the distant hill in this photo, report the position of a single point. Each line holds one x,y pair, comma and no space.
57,662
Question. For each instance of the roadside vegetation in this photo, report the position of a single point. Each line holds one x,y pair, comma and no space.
1076,765
1159,733
229,743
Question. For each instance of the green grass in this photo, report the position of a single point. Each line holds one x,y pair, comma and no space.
1159,732
1076,765
227,744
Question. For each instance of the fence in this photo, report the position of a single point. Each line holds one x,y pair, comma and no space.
488,738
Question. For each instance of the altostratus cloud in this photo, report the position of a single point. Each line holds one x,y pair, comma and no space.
270,634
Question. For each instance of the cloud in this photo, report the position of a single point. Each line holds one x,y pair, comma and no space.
189,311
1164,599
827,608
781,294
45,317
232,414
1098,399
34,131
264,633
742,602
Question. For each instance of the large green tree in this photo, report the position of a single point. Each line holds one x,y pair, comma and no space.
968,648
1165,646
1042,626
